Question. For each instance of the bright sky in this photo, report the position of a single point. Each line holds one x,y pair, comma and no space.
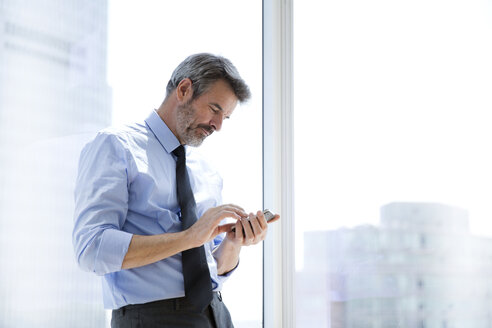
148,39
393,99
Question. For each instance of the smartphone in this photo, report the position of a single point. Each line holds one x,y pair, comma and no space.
268,216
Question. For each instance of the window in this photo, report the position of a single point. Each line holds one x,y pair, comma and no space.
392,172
69,69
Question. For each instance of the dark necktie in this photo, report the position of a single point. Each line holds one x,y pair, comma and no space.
198,288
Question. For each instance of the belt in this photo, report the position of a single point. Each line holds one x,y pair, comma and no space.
179,303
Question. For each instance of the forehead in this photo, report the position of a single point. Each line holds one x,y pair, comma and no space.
219,95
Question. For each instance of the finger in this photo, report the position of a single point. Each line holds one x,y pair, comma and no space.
225,227
223,213
262,220
248,232
239,232
275,218
236,207
256,225
233,208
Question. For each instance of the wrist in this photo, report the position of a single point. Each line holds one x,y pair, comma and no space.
190,239
232,243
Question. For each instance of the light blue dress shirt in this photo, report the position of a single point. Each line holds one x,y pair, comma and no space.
126,185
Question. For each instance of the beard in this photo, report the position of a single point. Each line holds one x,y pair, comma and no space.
192,136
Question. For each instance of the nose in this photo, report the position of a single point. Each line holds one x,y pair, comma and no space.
216,122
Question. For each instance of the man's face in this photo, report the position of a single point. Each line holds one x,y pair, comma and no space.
199,118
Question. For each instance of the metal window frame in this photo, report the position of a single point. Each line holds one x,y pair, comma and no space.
278,155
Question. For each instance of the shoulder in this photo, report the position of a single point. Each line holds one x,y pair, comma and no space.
119,137
125,134
115,147
115,142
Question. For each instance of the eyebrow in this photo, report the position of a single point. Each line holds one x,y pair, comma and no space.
217,105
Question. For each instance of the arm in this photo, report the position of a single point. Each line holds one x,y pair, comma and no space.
249,231
144,250
106,171
101,203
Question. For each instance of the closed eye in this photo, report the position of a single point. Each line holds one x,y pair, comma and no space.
215,108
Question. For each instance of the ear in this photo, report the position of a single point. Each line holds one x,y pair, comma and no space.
184,91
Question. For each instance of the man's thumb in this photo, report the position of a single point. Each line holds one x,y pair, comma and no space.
225,228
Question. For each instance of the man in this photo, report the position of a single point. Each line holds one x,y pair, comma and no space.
138,198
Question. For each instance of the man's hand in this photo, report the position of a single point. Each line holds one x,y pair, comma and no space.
144,250
207,227
250,230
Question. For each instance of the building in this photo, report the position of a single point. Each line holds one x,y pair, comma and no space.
420,268
53,96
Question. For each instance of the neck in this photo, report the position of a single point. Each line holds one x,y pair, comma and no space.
167,112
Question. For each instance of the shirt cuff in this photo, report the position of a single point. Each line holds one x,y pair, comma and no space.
228,273
112,250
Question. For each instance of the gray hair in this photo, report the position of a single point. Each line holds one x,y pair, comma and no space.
204,70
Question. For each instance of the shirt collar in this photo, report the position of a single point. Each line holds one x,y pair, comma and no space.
162,132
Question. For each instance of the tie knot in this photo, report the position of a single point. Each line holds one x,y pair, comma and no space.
179,152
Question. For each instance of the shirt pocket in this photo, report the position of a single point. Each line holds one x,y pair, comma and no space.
168,221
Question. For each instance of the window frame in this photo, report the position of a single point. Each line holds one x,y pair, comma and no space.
278,159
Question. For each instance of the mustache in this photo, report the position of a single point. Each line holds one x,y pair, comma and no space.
206,127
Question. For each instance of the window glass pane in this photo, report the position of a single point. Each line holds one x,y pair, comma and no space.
142,56
53,91
71,68
392,112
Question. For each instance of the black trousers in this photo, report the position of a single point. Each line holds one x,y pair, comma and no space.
176,312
